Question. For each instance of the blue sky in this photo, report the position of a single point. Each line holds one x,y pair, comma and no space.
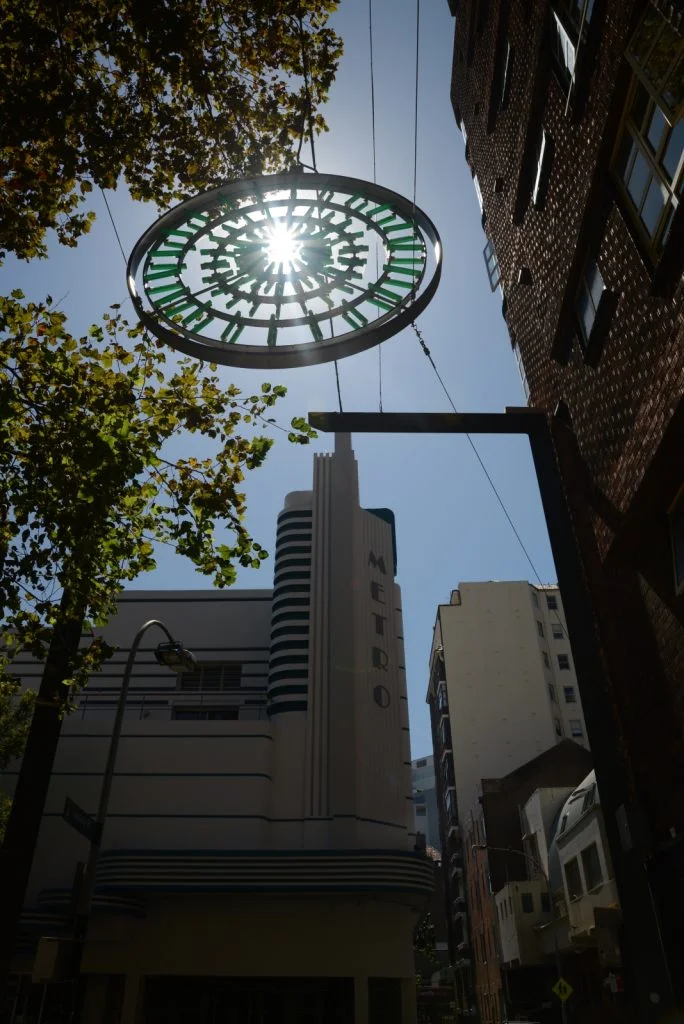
450,527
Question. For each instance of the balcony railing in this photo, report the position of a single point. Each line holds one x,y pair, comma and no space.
164,705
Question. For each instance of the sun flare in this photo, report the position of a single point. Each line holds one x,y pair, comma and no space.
282,248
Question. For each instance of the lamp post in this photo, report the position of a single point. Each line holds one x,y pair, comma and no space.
538,868
173,655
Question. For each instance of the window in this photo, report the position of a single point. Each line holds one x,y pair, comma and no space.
421,762
589,798
558,727
564,662
589,295
551,602
569,695
450,804
545,903
563,823
573,879
540,628
478,193
226,714
543,165
420,812
591,863
527,902
566,22
214,677
576,728
552,692
546,659
419,797
648,157
526,389
557,631
676,520
492,265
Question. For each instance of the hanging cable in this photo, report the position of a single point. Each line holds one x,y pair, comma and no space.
415,110
308,113
375,172
118,237
500,500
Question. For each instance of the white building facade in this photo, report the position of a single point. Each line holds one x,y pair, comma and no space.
258,858
502,690
425,809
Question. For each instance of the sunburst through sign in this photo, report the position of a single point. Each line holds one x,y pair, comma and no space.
285,270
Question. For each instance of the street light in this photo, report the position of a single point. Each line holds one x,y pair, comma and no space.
538,867
173,655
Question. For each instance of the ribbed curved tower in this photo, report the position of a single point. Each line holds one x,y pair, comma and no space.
289,656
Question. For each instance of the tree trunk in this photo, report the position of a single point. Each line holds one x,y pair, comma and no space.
21,836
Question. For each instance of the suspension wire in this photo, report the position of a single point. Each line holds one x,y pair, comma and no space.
375,172
415,109
118,236
484,469
308,114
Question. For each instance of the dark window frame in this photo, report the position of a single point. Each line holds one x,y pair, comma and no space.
675,525
591,866
647,102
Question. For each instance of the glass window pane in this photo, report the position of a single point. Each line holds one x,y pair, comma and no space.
677,536
585,312
673,91
595,283
656,128
591,863
656,200
673,150
638,180
664,54
640,102
646,35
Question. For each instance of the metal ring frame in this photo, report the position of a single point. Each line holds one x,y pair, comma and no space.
197,221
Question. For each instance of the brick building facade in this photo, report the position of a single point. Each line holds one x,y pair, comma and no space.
572,116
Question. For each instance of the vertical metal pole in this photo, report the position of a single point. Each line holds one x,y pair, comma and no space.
654,994
88,885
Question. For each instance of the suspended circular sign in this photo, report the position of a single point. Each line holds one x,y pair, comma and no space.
285,270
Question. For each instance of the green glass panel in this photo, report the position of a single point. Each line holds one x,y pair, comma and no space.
171,272
409,271
380,302
314,327
399,282
380,209
272,331
160,289
205,323
170,298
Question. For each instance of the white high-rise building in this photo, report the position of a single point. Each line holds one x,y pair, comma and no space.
502,690
258,858
502,684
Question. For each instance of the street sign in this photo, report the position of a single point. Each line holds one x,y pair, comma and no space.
562,989
80,820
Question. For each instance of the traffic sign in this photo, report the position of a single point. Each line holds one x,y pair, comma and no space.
562,989
81,820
